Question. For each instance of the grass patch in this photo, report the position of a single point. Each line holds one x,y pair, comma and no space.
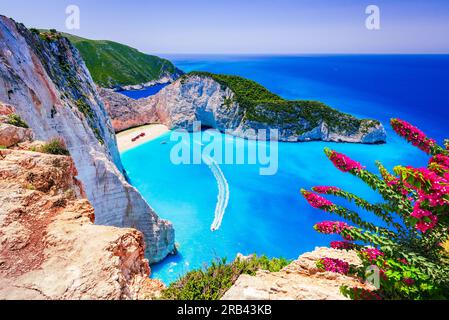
112,63
55,146
16,120
212,283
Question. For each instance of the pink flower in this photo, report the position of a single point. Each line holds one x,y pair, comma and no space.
433,188
333,265
413,135
427,223
372,254
344,163
419,213
427,220
326,190
329,227
363,294
440,159
317,201
409,281
342,245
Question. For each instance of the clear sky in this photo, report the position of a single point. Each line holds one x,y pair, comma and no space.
249,26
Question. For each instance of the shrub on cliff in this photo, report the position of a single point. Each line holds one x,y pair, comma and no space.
16,120
55,146
407,254
213,282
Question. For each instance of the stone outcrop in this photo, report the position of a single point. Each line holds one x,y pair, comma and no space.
126,113
49,246
201,98
49,86
301,280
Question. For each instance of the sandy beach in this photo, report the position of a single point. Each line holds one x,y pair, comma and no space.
124,139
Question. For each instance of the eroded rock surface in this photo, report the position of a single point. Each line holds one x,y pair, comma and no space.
301,280
49,246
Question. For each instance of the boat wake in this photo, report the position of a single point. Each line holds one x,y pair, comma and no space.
223,192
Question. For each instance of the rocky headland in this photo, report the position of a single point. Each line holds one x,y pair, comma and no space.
239,107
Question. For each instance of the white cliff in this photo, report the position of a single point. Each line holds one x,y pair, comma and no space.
47,83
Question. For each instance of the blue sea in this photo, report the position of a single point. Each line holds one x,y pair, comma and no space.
139,94
266,214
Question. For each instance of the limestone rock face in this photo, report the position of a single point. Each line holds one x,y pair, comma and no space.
125,112
301,280
48,85
199,98
49,246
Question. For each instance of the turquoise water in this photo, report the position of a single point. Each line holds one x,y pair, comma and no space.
266,214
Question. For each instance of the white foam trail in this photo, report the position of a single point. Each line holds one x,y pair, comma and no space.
223,191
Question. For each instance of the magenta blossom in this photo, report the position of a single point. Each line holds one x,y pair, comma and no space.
427,220
440,159
409,282
329,227
342,245
326,190
427,223
333,265
344,163
413,135
317,201
372,254
434,189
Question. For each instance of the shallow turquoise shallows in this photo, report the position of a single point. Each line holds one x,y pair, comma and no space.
266,214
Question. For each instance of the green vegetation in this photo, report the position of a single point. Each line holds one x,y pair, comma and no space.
84,108
261,105
16,120
49,36
3,148
112,63
213,282
55,146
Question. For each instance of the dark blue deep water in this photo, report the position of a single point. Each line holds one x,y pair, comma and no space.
266,214
139,94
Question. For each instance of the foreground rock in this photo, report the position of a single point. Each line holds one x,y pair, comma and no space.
49,86
49,246
201,97
301,280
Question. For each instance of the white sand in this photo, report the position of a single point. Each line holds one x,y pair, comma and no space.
124,139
